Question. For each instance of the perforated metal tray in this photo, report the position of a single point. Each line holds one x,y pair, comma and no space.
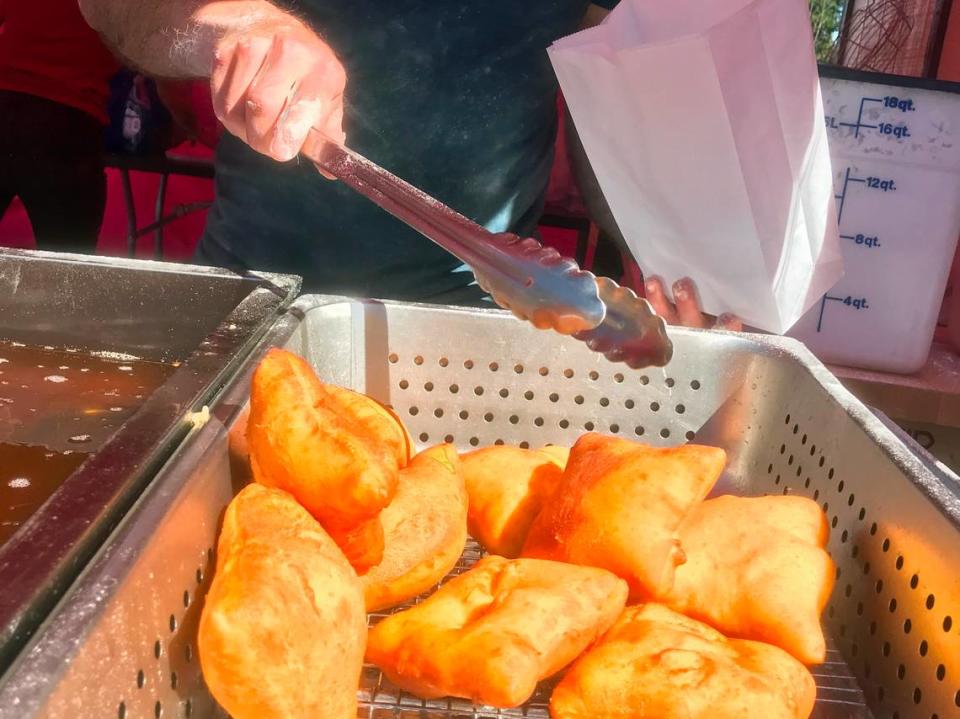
122,643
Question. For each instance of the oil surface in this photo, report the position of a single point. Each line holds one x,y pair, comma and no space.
57,407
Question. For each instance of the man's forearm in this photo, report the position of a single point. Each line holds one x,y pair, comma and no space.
175,38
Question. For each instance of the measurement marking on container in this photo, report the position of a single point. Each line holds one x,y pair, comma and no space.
901,104
850,301
858,125
867,241
884,184
899,131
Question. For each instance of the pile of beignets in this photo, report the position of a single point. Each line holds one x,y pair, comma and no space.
607,568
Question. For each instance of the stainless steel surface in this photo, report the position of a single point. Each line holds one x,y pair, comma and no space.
207,319
536,284
121,642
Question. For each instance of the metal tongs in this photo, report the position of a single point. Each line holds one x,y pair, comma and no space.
536,284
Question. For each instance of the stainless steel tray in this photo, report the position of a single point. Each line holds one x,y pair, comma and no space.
121,644
206,319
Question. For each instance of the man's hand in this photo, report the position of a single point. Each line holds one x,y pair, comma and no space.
684,308
274,80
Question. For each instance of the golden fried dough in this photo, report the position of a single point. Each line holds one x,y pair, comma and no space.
507,487
657,664
283,628
338,452
425,529
619,507
492,633
757,569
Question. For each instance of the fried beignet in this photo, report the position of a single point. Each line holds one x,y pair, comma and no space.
492,633
283,628
337,452
507,487
757,569
619,507
657,664
425,529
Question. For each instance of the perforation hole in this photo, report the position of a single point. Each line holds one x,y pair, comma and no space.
488,417
418,360
554,397
454,388
158,709
393,358
639,431
478,391
443,362
524,445
665,433
615,429
604,402
173,623
464,414
174,680
538,421
654,406
899,563
681,409
564,424
924,648
629,404
518,368
578,399
424,437
568,373
941,672
200,575
141,679
504,393
122,710
914,581
528,395
404,384
644,380
594,375
589,426
438,413
931,601
474,441
414,411
670,381
947,623
449,439
618,378
157,649
691,435
188,708
514,419
468,364
695,385
543,371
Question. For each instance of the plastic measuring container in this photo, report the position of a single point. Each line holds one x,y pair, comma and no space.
895,148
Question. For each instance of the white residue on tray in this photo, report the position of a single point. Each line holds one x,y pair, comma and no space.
55,378
3,360
18,483
120,356
125,368
78,438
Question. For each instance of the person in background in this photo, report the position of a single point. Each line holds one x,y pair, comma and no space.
54,80
457,98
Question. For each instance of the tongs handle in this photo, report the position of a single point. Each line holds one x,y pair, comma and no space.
536,284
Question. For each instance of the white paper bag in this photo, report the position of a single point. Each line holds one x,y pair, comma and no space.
703,121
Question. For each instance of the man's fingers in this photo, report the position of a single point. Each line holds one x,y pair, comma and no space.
729,322
689,312
307,109
657,296
230,88
270,91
